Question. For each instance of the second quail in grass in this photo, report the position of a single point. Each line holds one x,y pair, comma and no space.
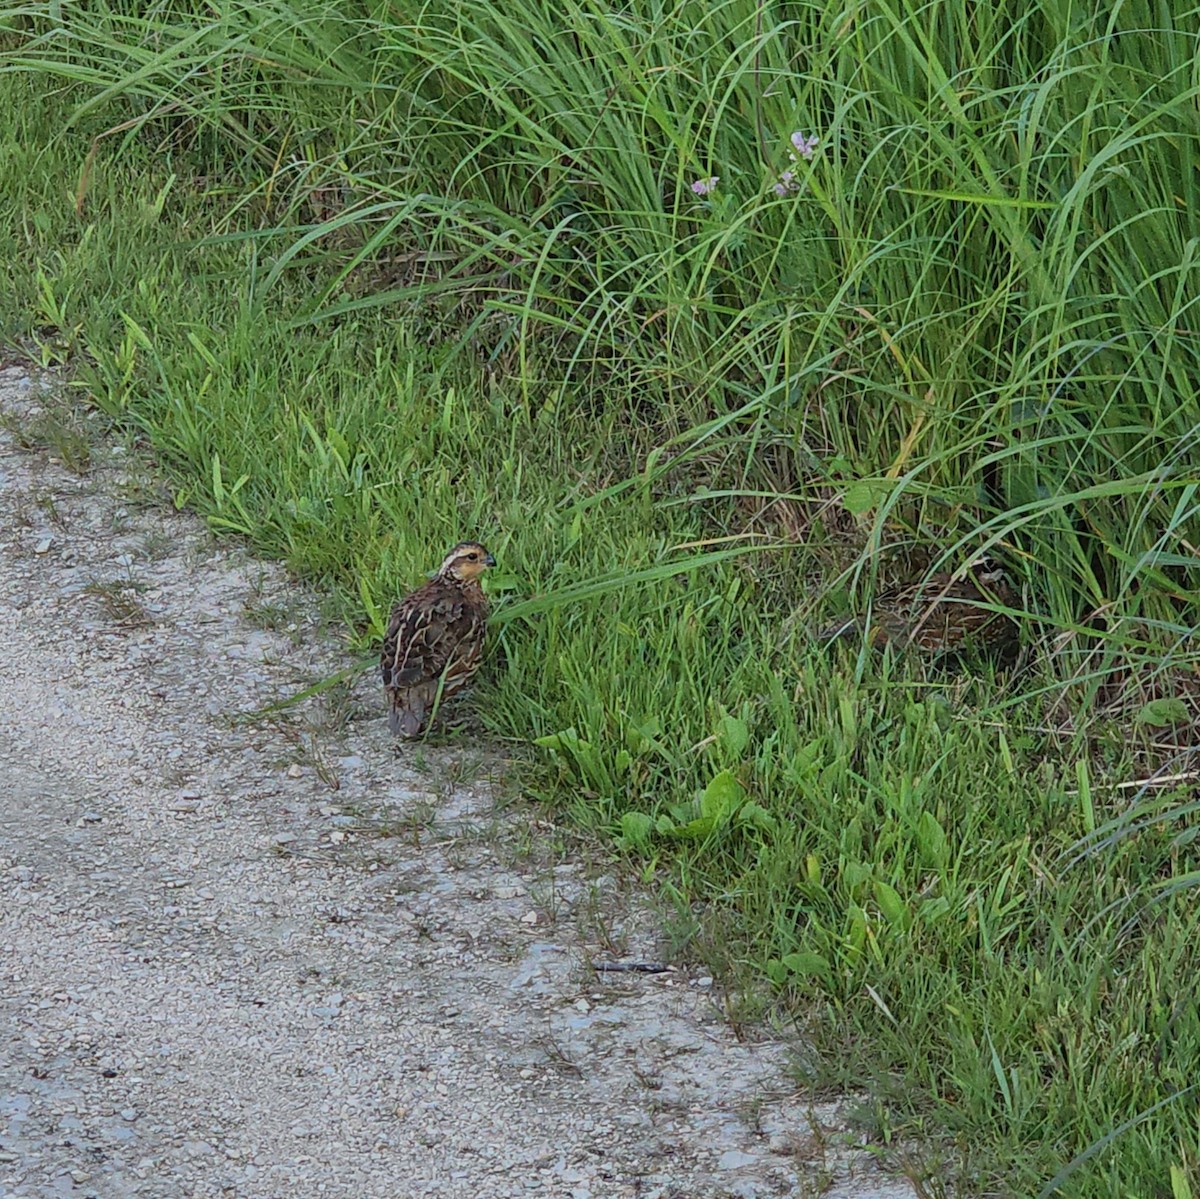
941,615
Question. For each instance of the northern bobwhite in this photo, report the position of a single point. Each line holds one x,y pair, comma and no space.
942,615
434,640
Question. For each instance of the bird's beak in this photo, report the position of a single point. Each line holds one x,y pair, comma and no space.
489,561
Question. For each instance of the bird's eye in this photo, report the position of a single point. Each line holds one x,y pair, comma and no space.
473,557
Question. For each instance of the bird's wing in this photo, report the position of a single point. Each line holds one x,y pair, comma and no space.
423,634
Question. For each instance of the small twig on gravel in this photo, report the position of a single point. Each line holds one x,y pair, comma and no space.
286,851
631,968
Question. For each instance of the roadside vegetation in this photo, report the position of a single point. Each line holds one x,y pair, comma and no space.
713,321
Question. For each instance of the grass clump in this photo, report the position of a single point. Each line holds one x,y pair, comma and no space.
373,279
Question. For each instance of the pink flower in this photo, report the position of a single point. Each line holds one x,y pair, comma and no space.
702,187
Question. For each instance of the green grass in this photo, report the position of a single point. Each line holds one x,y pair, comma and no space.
371,279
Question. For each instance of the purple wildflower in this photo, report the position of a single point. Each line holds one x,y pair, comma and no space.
787,183
804,145
702,187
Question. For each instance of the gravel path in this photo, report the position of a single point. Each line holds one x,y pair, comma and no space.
220,976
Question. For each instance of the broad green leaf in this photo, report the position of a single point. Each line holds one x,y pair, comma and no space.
722,796
932,839
862,496
807,964
636,828
735,734
558,742
812,870
757,817
894,909
1162,713
696,830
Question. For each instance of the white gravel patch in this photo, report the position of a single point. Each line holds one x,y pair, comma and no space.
220,976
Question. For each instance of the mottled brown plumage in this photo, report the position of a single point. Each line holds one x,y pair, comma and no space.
434,641
942,615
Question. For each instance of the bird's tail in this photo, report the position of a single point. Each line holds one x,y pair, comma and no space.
405,719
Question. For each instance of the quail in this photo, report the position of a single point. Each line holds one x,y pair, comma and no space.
434,640
941,615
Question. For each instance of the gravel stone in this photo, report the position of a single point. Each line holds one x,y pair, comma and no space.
205,993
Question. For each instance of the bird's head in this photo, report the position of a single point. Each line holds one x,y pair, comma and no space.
466,562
